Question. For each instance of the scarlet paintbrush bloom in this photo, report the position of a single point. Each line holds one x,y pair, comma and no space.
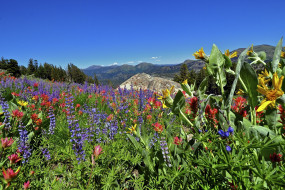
6,143
239,105
54,100
158,127
14,158
275,157
17,114
26,185
36,85
34,116
38,122
9,175
194,105
151,100
15,94
177,140
97,151
110,117
148,117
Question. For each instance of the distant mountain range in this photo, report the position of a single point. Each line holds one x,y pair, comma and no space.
117,74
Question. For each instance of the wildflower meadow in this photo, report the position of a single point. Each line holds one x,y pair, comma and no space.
57,135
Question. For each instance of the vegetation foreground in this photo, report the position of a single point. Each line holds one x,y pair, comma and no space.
56,135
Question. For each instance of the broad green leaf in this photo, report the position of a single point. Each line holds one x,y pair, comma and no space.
135,143
238,68
178,103
216,59
262,55
249,78
221,78
203,85
271,117
276,56
228,62
264,131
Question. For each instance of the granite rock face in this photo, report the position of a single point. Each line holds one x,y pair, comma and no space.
144,81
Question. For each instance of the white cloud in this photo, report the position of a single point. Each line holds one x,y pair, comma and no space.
157,60
154,57
140,61
115,63
131,62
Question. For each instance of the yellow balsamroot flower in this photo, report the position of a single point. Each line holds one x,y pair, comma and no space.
166,98
282,54
270,94
132,129
263,74
250,51
227,53
204,68
199,54
185,82
240,92
22,103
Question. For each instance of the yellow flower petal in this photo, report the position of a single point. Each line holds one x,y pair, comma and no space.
185,82
263,106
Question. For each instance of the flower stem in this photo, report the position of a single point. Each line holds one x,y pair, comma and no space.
188,121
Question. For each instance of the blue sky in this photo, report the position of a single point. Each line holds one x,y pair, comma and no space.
93,32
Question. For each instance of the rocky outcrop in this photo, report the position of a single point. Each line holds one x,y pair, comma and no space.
145,81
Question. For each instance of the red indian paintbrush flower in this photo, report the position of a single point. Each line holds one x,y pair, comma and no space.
275,157
6,143
9,175
97,151
177,140
158,127
26,185
17,114
14,158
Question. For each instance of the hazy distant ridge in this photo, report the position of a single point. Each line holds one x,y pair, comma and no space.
119,73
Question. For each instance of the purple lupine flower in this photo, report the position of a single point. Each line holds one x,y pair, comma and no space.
228,148
77,142
23,145
5,108
165,152
230,130
223,134
46,153
52,121
153,140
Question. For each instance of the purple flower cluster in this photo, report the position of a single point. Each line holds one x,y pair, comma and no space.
165,152
23,145
5,108
226,133
77,140
153,140
46,153
51,122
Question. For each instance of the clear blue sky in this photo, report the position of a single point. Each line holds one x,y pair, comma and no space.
104,32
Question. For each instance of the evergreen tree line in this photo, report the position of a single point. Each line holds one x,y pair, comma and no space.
47,71
200,75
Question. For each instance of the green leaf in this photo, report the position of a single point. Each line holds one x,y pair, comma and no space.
135,143
276,56
271,117
216,59
178,103
249,78
228,62
203,85
221,76
238,69
264,131
262,55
